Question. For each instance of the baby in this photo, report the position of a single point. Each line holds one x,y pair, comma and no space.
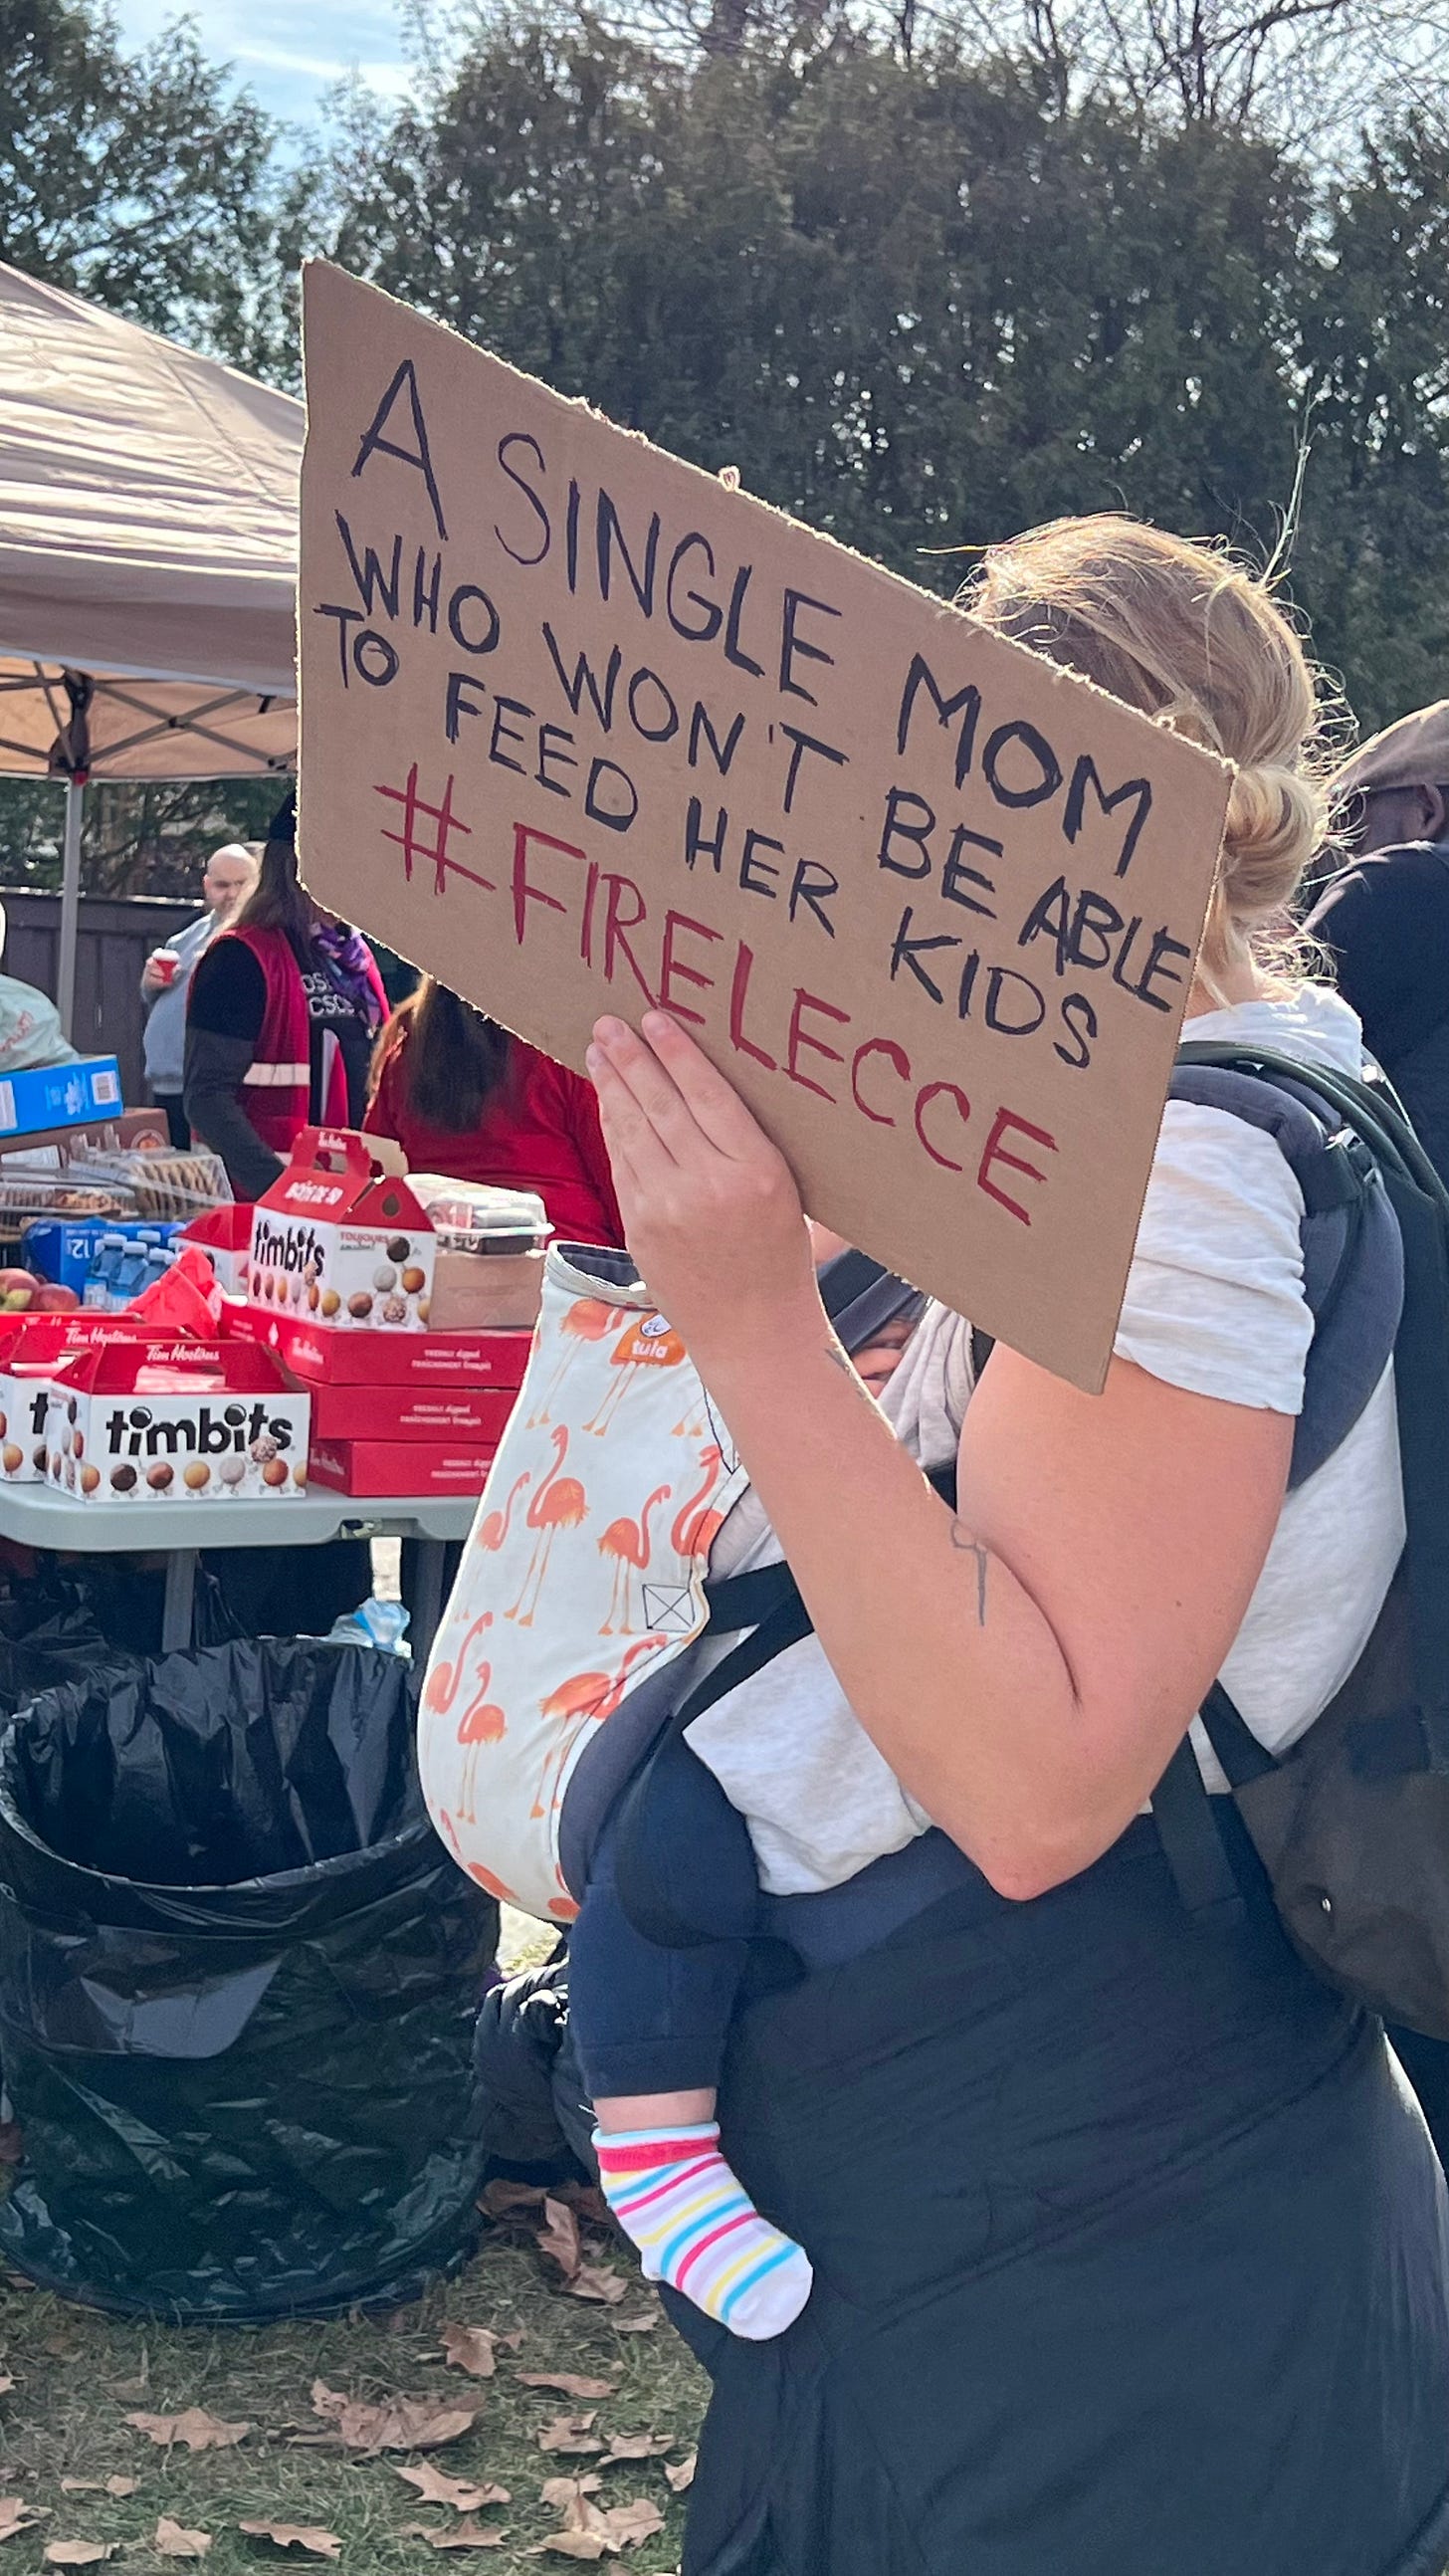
651,2025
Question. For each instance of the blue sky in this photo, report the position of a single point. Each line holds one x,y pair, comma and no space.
287,51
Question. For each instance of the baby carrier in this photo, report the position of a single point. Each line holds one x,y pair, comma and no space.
584,1578
612,1544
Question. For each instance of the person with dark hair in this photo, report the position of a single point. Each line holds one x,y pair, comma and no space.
1384,918
463,1097
281,1016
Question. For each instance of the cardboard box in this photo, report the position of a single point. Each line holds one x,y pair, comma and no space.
63,1248
400,1466
224,1234
449,1360
341,1240
60,1095
467,1417
206,1422
34,1350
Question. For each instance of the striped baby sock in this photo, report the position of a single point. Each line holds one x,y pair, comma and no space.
696,2227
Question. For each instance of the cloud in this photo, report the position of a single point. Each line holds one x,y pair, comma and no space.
289,54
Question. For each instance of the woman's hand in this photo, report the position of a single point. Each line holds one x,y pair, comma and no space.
710,1208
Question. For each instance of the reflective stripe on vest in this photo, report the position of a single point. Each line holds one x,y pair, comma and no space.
277,1077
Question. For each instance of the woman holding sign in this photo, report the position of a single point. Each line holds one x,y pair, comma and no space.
1128,2245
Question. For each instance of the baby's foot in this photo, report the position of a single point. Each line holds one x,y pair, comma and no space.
696,2227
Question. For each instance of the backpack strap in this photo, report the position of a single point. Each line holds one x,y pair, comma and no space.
1352,1250
1374,1266
1420,1205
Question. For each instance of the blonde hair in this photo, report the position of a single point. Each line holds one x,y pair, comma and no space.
1198,642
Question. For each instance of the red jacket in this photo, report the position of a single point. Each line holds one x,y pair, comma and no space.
539,1132
276,1089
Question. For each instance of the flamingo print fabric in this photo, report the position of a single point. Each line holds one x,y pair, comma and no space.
584,1571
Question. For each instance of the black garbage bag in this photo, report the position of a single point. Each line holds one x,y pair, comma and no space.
239,1977
61,1622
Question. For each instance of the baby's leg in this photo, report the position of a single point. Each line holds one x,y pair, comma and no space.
650,2024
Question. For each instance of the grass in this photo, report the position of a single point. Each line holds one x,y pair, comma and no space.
77,2375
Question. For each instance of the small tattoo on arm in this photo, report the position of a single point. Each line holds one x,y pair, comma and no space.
966,1545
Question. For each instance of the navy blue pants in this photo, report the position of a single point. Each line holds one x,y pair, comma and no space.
652,2016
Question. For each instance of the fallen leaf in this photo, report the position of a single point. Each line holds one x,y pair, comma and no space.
78,2553
639,2446
470,2348
629,2524
566,2495
500,2198
567,2433
195,2428
589,2201
398,2424
6,2383
457,2535
570,2544
567,2383
592,2281
121,2486
172,2542
559,2238
295,2535
16,2515
434,2488
643,2323
682,2475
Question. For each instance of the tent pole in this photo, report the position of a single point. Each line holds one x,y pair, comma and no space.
75,802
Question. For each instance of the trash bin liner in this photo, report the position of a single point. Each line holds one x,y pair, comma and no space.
239,1977
59,1623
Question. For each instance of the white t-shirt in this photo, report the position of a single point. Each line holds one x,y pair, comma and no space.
1214,1304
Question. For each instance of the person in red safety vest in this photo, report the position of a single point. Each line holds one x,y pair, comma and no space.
281,1018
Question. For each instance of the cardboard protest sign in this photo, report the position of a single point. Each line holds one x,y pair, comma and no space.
583,729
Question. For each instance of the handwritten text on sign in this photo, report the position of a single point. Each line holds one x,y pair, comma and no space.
582,729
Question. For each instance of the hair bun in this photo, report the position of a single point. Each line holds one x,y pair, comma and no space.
1276,820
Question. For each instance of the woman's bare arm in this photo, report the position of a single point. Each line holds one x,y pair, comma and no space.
1028,1663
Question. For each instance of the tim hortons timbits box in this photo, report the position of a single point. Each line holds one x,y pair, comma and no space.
205,1422
32,1349
443,1361
339,1240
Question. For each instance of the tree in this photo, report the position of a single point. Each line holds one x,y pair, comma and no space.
145,181
924,302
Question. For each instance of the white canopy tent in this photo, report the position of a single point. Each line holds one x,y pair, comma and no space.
148,562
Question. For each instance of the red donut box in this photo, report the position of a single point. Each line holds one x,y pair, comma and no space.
399,1467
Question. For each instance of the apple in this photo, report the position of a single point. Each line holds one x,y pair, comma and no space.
52,1299
13,1282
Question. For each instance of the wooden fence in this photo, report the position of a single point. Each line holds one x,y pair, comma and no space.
115,939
